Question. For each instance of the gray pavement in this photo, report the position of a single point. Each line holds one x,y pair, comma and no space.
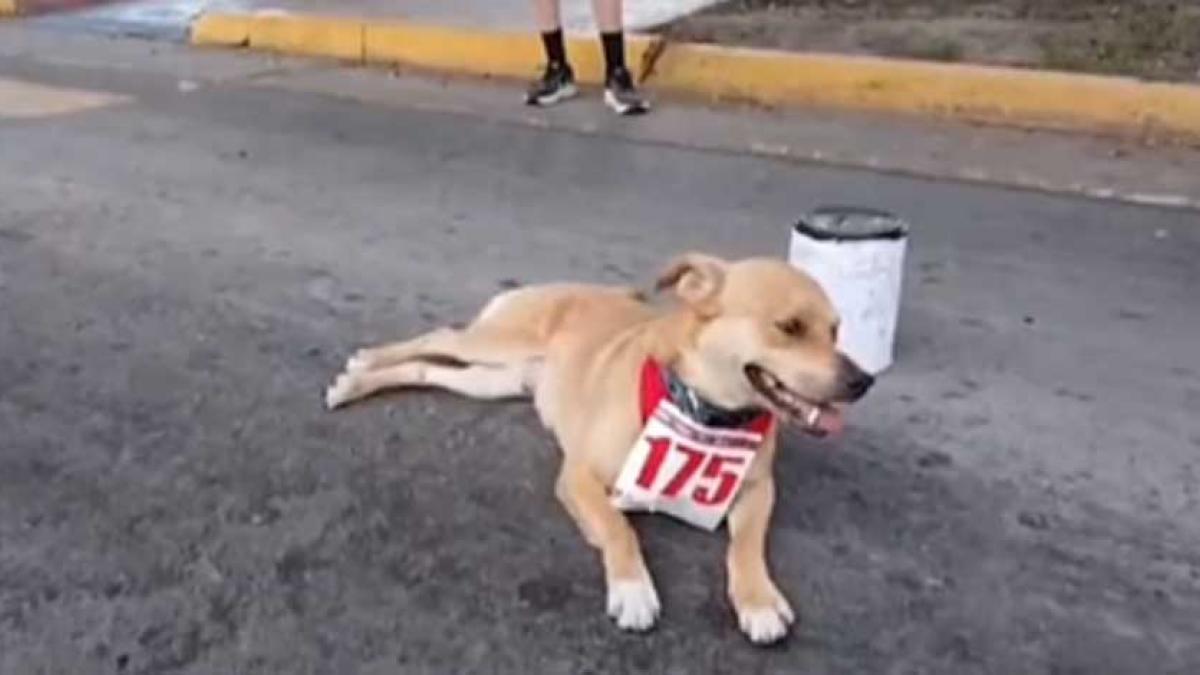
1105,168
185,261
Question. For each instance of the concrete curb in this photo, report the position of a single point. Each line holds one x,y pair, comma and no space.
456,50
1013,97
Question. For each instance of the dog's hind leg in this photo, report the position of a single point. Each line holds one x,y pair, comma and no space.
473,345
395,353
474,381
513,326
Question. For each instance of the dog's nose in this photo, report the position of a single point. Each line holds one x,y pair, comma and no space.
855,381
861,384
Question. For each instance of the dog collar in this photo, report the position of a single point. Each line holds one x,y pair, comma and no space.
660,383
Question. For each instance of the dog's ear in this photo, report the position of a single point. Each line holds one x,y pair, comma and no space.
696,279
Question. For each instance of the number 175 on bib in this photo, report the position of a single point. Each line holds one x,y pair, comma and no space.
686,470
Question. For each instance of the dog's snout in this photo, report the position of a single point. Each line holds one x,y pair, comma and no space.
854,381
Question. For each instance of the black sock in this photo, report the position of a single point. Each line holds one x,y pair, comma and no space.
614,51
556,51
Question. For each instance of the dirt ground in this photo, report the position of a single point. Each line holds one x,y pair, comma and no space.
1154,39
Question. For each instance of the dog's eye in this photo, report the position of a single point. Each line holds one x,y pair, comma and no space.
792,328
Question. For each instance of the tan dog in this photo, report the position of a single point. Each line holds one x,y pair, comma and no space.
750,334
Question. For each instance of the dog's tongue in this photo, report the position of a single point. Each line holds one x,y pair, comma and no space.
830,422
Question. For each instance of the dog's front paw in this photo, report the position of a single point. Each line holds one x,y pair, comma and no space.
633,603
766,617
340,392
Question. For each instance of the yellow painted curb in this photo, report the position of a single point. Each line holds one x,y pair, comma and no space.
980,93
221,30
461,50
310,35
490,53
8,7
304,34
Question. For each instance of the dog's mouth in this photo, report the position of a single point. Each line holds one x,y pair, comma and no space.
818,419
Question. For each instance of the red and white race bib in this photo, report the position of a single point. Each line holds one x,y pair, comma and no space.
683,468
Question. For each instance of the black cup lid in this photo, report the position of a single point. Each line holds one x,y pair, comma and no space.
851,223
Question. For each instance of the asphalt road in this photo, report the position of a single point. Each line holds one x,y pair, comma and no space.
184,265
